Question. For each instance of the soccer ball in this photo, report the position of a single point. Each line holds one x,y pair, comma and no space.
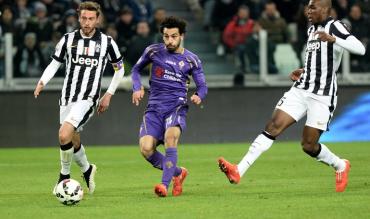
69,192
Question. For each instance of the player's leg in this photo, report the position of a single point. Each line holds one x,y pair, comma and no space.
66,131
289,109
171,138
80,157
148,149
318,117
73,117
151,134
278,123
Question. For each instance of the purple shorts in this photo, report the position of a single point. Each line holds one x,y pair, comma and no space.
156,120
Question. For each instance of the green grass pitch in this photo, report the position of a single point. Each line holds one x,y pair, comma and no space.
282,183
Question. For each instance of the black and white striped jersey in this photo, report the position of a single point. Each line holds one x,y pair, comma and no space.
85,60
322,59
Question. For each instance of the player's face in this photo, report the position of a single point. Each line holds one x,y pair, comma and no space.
172,39
88,21
316,13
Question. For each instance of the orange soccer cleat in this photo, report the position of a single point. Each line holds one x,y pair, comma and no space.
177,182
160,190
341,178
230,170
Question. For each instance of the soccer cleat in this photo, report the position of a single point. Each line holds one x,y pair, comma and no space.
341,178
89,177
177,182
230,170
160,190
61,178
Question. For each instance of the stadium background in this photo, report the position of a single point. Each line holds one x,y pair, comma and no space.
239,102
284,183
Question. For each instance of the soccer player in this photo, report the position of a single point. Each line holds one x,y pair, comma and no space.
85,52
314,94
164,118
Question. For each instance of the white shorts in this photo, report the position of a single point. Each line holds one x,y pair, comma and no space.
77,113
298,103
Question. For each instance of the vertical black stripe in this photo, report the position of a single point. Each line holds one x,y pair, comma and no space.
318,70
81,73
64,49
97,94
110,50
308,73
329,76
76,37
331,107
86,117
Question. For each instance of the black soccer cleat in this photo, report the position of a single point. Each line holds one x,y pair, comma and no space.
89,177
61,178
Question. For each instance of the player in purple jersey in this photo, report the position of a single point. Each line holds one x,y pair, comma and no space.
165,115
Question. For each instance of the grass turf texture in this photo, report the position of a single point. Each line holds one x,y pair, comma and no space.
283,183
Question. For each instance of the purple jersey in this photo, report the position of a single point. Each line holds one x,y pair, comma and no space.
169,74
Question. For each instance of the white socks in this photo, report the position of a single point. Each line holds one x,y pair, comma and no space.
81,159
66,160
328,157
261,144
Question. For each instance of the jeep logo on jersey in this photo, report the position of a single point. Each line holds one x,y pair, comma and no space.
89,62
313,45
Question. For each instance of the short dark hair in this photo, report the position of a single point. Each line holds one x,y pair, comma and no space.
89,6
173,22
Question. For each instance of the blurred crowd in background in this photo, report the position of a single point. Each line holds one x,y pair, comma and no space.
38,25
285,22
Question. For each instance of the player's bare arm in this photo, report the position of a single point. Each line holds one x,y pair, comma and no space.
325,37
38,89
196,99
137,96
296,74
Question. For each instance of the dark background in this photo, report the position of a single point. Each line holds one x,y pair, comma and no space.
228,115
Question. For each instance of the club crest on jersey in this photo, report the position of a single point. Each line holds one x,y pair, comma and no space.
181,64
313,45
97,48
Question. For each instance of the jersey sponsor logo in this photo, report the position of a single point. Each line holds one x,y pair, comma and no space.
166,74
170,62
89,62
313,45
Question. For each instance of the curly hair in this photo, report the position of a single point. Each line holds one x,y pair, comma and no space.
173,22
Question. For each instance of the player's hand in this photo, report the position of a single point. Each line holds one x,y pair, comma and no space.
137,96
195,99
296,74
325,37
104,103
38,89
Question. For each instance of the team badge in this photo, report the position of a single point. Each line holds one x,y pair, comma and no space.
181,64
97,48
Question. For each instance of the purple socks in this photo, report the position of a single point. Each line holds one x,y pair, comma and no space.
169,165
157,159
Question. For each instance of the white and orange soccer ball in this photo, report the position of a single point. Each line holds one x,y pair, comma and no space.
69,192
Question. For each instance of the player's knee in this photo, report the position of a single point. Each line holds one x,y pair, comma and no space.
309,147
146,150
274,128
64,137
171,140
